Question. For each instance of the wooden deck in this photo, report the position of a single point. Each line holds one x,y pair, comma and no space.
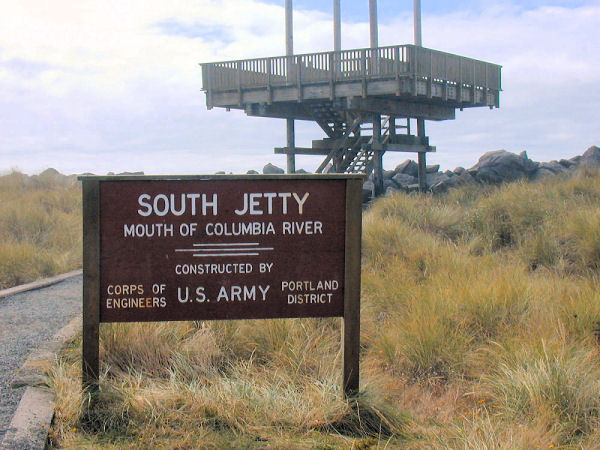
402,80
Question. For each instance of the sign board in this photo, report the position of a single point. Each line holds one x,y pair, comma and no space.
219,247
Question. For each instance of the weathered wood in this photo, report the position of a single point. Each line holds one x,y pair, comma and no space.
378,157
422,157
403,109
350,89
279,111
302,151
291,144
404,148
351,334
373,28
91,283
337,26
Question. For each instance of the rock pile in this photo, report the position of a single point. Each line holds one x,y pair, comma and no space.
492,168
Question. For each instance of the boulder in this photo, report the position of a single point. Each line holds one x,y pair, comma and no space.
389,184
403,180
301,171
435,178
137,174
52,176
552,166
460,170
388,174
591,157
451,182
252,172
500,165
408,167
270,169
566,163
542,173
432,168
50,173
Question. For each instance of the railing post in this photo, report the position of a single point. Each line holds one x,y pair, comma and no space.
332,65
238,70
298,60
209,92
397,66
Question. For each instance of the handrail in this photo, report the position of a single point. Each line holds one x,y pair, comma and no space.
350,65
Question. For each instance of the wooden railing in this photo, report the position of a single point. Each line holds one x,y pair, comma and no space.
349,65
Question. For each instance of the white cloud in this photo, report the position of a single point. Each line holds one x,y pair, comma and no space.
97,86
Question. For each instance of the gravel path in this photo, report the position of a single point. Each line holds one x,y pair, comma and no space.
26,321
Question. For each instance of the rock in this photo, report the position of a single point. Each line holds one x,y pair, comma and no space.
270,169
566,163
130,174
435,178
50,173
575,159
389,184
412,188
403,180
52,176
408,167
500,165
552,166
252,172
460,170
388,174
591,157
451,182
432,168
449,173
542,172
301,171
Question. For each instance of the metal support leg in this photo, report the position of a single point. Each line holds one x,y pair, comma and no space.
291,143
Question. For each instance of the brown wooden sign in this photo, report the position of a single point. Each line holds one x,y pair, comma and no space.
218,247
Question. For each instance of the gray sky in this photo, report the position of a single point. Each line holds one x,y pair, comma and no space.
98,86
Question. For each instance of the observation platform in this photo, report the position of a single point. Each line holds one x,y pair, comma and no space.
402,80
344,90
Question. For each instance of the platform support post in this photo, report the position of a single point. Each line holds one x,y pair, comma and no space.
417,19
337,26
291,144
90,369
373,23
378,156
289,51
422,157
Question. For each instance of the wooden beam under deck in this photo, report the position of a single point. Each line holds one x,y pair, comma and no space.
301,151
400,108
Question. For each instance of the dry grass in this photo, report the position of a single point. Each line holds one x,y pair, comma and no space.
40,227
479,309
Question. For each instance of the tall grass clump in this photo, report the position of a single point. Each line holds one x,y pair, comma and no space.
480,329
558,388
40,226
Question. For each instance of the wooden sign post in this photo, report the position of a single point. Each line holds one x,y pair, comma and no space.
221,247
